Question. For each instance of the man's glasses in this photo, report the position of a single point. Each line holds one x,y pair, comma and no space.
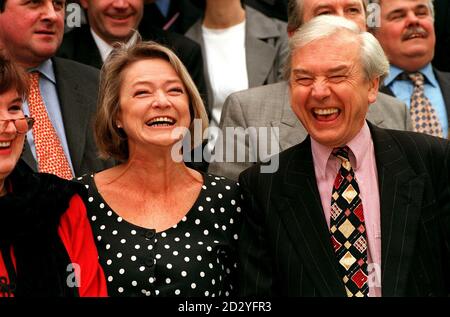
23,125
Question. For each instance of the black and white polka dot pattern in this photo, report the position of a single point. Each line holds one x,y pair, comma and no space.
196,257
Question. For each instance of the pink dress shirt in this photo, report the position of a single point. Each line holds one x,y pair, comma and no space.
362,159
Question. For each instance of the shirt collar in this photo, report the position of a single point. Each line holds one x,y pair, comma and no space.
45,69
427,72
394,71
359,148
105,48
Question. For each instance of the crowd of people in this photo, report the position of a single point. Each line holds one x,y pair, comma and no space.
99,125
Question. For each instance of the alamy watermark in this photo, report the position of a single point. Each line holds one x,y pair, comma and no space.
74,275
232,144
75,15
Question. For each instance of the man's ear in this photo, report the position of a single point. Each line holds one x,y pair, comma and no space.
374,84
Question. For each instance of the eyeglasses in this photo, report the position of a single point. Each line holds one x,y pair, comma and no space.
23,125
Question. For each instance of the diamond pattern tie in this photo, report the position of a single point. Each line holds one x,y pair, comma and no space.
348,232
423,115
50,154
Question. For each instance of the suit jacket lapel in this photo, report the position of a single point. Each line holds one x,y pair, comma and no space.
291,131
259,55
401,193
444,83
90,53
302,214
27,157
195,33
387,90
374,115
75,111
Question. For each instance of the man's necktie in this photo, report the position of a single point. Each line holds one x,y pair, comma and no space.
50,154
348,232
423,115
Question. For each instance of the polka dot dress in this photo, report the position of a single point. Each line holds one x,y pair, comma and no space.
196,257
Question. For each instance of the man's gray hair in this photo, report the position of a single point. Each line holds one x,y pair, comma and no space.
373,59
295,13
430,5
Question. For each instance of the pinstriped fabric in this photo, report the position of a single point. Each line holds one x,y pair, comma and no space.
409,166
284,243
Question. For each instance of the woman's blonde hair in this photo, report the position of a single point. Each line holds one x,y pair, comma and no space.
111,140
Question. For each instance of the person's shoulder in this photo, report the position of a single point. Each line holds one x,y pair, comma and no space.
73,40
72,68
267,25
413,144
76,34
386,100
443,77
274,167
174,41
84,179
264,93
223,193
218,181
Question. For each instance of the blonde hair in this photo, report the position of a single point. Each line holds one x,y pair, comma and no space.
111,140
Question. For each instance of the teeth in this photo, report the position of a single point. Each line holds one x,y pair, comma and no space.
325,112
5,144
413,36
119,17
162,120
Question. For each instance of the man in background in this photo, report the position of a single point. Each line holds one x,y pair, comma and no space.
269,106
63,93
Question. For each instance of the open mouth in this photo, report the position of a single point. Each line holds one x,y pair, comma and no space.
326,114
161,122
415,36
45,32
5,145
120,17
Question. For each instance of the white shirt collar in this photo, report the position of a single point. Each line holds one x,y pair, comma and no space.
105,48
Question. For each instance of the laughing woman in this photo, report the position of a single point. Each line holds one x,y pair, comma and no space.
162,229
46,243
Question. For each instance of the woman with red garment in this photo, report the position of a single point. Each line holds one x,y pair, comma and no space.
46,244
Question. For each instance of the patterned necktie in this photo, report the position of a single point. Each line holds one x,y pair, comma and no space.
50,154
423,115
348,232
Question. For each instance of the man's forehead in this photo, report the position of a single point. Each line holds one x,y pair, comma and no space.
331,3
341,67
396,4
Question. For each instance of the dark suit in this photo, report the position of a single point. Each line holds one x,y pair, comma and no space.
285,247
184,13
443,79
79,45
77,88
442,27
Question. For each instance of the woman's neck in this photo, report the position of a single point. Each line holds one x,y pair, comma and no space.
158,173
222,14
